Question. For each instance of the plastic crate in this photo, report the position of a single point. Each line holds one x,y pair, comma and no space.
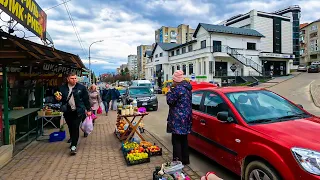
57,136
176,167
158,153
141,161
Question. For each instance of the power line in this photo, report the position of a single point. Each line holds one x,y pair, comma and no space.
74,27
57,5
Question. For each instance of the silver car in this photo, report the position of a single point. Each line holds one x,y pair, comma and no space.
302,68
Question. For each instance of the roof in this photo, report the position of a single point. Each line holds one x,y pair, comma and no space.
181,45
18,51
228,30
164,46
303,25
148,53
318,20
234,89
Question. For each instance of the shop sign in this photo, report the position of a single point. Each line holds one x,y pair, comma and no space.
28,13
11,69
61,69
275,55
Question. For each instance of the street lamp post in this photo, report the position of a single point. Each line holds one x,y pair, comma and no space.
90,60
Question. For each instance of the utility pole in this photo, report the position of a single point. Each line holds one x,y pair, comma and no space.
90,74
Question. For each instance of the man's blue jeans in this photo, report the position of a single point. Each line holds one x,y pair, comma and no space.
106,105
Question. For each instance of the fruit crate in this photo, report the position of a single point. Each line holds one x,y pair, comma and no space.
141,161
158,153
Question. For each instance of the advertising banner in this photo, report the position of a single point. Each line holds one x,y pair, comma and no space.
28,13
61,69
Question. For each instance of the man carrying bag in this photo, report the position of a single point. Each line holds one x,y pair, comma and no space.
75,106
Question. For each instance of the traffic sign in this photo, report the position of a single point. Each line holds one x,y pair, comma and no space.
233,67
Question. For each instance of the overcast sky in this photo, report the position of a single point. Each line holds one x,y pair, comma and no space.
125,24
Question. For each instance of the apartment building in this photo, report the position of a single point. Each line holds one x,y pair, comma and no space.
180,35
133,65
309,42
281,42
141,60
209,56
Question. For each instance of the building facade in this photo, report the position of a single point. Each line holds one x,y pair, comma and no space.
180,35
280,44
141,60
209,56
133,65
309,42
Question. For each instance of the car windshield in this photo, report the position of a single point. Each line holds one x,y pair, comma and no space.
145,84
313,66
122,91
264,106
139,91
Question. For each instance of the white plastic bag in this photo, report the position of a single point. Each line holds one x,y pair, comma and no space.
87,125
115,104
136,138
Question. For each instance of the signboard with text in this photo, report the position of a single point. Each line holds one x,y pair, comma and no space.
28,13
61,69
275,55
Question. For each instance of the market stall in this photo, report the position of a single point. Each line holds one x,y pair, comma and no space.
28,73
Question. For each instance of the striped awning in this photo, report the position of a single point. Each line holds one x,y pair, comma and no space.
16,51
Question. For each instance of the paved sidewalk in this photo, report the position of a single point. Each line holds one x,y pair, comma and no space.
315,92
98,157
278,80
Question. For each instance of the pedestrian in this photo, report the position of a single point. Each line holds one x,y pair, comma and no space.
106,98
75,97
115,94
95,100
179,99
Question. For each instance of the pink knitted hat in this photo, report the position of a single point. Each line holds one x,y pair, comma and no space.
178,76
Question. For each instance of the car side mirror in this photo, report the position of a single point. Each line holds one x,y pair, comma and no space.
224,116
300,106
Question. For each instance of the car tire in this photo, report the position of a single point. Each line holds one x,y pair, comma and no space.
261,169
155,109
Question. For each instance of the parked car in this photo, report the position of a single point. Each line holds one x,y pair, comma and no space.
302,68
313,69
256,133
143,95
315,63
143,83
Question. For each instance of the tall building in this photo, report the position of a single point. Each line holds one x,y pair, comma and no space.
141,60
180,35
309,42
133,65
279,29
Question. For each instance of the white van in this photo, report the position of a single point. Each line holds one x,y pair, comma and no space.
145,83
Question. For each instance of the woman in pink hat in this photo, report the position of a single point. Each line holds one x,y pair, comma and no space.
179,99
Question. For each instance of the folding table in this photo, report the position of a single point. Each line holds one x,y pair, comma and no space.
134,127
49,119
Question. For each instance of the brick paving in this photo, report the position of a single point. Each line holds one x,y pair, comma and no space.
98,157
315,92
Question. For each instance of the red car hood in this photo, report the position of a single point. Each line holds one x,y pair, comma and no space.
302,133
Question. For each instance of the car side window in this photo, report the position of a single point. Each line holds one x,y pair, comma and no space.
213,104
196,100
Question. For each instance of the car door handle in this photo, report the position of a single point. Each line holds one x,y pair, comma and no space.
203,122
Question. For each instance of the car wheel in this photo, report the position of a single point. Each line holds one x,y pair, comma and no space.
155,109
257,170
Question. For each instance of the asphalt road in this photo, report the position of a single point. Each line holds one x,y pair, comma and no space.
296,90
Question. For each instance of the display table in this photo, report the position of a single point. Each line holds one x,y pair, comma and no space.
134,127
48,119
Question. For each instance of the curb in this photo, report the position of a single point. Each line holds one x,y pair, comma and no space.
284,80
312,94
163,145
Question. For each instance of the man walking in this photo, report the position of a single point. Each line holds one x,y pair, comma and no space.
75,97
106,98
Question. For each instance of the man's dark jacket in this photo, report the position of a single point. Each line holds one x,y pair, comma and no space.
106,95
81,97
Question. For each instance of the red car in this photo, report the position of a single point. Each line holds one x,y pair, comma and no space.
256,133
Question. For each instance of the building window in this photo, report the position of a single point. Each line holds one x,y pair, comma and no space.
204,68
189,48
161,54
251,46
314,27
178,51
156,55
190,69
315,34
178,67
184,68
172,69
172,53
183,50
210,67
203,44
199,67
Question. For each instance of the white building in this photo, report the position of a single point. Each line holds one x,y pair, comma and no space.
280,47
209,57
133,65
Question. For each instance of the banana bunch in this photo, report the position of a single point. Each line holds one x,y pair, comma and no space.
137,156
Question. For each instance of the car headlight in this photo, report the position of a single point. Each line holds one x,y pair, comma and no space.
153,97
308,159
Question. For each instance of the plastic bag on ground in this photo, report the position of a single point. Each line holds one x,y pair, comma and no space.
87,125
99,111
136,138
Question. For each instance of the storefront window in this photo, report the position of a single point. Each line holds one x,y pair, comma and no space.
190,69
